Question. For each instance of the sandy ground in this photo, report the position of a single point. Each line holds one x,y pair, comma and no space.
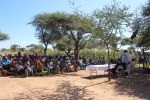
75,86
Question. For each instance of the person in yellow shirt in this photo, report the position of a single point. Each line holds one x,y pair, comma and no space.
39,65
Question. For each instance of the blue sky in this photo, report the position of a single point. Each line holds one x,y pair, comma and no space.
16,14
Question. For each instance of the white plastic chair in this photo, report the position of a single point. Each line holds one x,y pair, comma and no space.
119,71
28,71
130,69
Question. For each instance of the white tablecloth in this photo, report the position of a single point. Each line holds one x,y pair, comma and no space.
99,67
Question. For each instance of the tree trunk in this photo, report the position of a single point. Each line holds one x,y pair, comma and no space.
68,51
76,52
144,59
108,55
114,54
45,50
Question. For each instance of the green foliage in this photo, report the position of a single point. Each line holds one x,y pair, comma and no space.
114,41
60,46
142,26
125,41
111,22
22,49
35,48
97,54
48,27
77,29
146,9
64,44
14,47
3,36
145,40
92,43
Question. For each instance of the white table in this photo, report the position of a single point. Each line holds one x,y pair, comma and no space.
95,68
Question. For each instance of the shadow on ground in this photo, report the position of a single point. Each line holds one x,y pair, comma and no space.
64,91
137,85
23,76
50,75
95,77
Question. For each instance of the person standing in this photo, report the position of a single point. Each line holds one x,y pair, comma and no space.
132,55
124,59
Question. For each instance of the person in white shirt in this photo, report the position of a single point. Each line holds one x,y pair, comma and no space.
50,66
132,55
124,59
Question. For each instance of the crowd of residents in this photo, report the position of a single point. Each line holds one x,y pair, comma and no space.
20,63
33,64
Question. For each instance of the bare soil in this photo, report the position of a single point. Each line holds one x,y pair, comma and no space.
75,86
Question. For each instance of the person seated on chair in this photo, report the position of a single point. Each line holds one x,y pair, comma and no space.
50,66
61,65
20,67
67,63
32,65
113,70
39,65
6,64
121,62
112,61
80,63
15,66
28,67
103,60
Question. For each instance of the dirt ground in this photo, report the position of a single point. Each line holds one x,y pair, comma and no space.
75,86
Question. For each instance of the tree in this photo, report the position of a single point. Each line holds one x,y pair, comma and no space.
92,43
111,22
141,28
34,48
114,44
14,47
52,27
79,29
125,41
22,49
65,44
3,36
47,28
145,27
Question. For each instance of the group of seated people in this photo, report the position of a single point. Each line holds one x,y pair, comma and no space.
19,63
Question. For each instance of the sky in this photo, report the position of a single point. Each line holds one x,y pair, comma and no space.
16,14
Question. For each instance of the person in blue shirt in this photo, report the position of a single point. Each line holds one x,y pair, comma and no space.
6,64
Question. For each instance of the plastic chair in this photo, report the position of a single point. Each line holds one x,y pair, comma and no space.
28,71
130,69
119,71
